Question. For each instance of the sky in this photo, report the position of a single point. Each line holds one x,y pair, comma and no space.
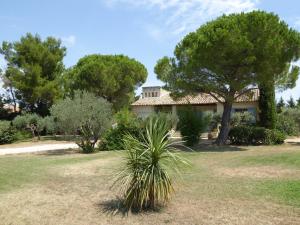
142,29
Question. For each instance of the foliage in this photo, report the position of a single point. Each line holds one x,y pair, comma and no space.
6,133
227,56
170,119
242,118
113,77
33,72
267,106
145,180
191,124
47,124
291,103
249,135
280,105
289,121
126,123
21,135
3,111
29,121
215,120
85,114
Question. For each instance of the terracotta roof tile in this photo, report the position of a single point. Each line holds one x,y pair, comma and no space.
200,99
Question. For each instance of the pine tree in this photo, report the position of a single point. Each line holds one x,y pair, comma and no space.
280,105
291,103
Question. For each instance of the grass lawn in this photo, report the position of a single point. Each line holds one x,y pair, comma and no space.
246,185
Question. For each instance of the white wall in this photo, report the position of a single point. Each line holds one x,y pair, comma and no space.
143,111
240,105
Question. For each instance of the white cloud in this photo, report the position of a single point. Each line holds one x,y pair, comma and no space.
181,16
69,41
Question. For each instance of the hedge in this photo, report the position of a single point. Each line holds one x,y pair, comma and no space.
250,135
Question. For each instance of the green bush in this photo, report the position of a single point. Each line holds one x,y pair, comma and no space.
21,135
28,122
126,123
6,133
249,135
191,124
242,118
289,121
214,121
47,125
274,137
287,125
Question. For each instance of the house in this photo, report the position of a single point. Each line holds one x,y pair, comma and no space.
156,99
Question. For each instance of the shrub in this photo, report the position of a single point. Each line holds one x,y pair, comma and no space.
214,121
191,124
47,124
274,137
287,125
30,122
21,135
145,181
240,135
86,115
249,135
289,121
242,118
126,123
6,133
170,120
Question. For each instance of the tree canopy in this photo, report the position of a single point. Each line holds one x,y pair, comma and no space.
229,56
291,102
113,77
84,114
33,70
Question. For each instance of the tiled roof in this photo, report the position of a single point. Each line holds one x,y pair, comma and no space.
199,99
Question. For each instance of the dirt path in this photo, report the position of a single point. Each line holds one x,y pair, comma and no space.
293,140
37,148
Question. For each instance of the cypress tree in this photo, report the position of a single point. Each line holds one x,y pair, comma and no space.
267,106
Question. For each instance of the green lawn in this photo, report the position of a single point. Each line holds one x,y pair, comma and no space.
246,185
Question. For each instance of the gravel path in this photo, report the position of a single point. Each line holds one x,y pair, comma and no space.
292,140
37,148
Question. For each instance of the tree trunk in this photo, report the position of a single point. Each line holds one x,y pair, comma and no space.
225,124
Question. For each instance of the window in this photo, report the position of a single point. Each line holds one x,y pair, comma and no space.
152,94
241,110
146,95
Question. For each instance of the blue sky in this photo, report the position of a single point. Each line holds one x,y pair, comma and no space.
143,29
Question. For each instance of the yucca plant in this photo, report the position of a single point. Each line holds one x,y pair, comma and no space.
145,180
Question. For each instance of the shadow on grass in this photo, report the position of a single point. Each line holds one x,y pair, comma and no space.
116,207
209,146
293,143
59,152
113,207
59,138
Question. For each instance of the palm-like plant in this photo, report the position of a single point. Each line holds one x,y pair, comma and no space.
145,181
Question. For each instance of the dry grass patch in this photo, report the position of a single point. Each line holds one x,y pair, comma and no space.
259,172
75,189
